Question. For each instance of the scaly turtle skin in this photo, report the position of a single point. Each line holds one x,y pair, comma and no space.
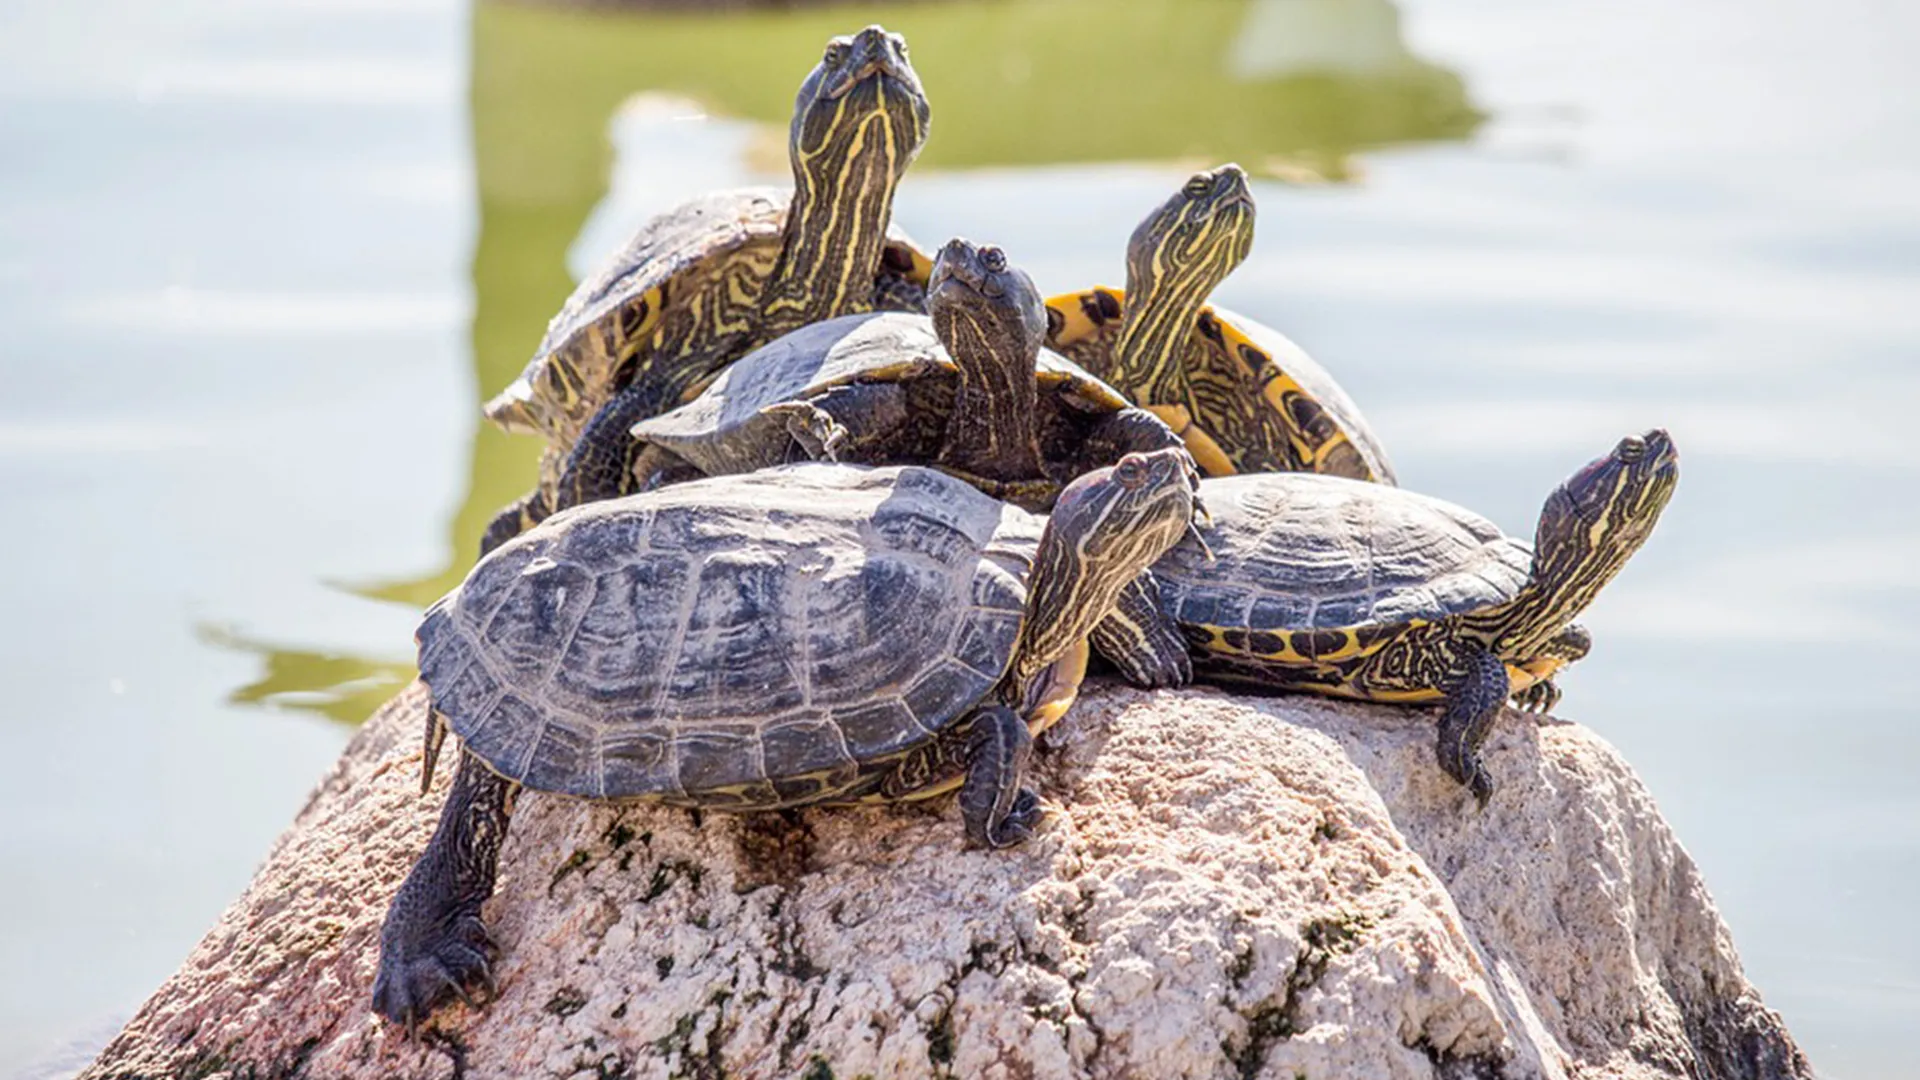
705,283
806,635
1367,591
966,387
1244,397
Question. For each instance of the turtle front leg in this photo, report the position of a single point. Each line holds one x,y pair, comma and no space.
1140,640
1541,697
1114,437
433,946
513,519
1569,645
998,811
1473,703
600,465
862,422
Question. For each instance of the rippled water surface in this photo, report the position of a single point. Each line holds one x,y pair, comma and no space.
260,261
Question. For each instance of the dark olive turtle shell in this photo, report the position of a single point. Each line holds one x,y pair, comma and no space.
746,641
724,431
643,298
1313,569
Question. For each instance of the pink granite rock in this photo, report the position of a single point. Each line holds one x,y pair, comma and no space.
1224,887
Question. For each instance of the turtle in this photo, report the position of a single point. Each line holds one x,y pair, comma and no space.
967,388
810,634
705,282
1243,396
1335,586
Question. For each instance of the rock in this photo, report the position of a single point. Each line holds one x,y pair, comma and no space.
1225,887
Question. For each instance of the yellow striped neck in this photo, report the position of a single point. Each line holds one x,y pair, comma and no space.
1149,357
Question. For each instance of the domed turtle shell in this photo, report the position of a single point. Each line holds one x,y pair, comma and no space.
644,295
750,641
1313,570
1305,421
724,431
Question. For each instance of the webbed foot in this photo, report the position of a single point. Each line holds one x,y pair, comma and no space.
433,946
817,432
1541,697
422,969
1473,703
998,811
1022,818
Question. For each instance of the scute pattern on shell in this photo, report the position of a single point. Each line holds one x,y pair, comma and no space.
723,430
767,638
1319,385
1330,553
735,234
711,226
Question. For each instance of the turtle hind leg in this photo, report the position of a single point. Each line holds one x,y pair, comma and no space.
601,464
1473,702
433,945
1141,641
655,466
997,810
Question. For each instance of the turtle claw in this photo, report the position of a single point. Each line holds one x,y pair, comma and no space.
1020,821
1539,699
817,432
446,964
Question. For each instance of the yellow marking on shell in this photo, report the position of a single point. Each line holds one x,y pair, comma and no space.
1206,453
656,301
1275,385
922,270
1399,697
940,787
1349,649
1074,323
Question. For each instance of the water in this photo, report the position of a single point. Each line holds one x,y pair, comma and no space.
255,279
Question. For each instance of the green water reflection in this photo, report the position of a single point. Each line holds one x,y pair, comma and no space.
1289,89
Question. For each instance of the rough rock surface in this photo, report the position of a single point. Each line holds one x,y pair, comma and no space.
1225,887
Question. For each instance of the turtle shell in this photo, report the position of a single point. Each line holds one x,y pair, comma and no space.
755,641
1259,402
650,293
1312,568
724,431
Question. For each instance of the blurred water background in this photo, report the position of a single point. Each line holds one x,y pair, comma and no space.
260,261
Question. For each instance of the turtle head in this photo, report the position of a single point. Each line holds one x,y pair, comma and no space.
977,298
1118,520
860,115
1592,524
1175,259
1107,528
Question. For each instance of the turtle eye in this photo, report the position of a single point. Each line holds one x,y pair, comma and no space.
836,52
1130,471
993,259
1632,449
1198,186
